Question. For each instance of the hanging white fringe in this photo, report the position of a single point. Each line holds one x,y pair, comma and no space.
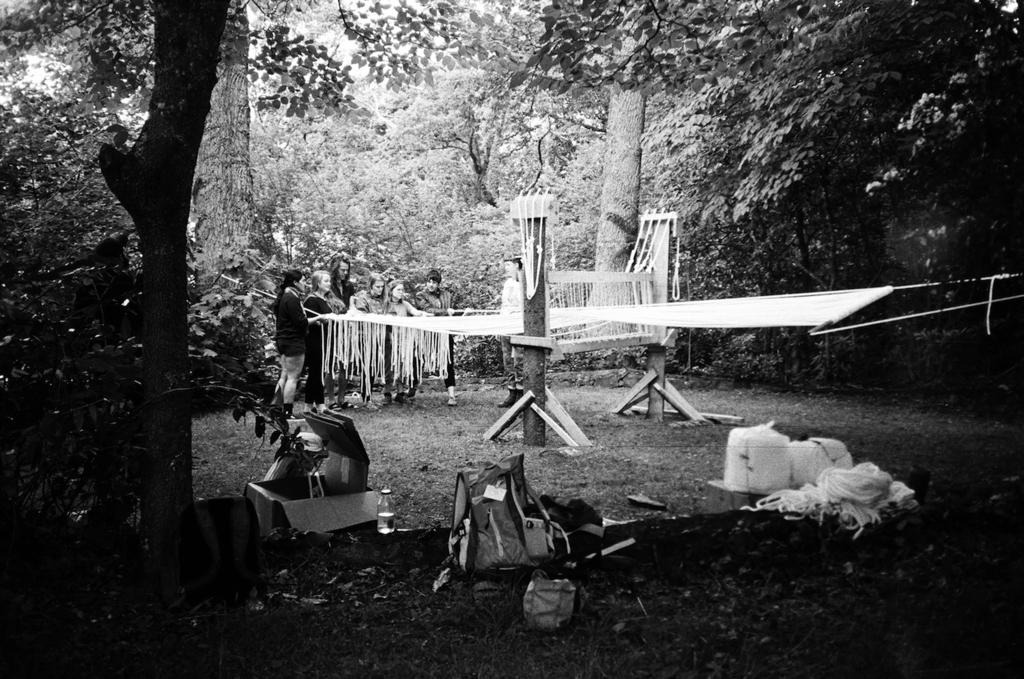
355,344
857,497
653,235
530,212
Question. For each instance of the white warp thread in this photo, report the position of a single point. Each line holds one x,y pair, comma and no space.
809,309
353,347
355,342
857,497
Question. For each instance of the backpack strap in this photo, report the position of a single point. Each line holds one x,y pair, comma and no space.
555,529
461,539
592,528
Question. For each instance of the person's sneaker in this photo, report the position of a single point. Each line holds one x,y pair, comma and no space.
452,401
411,394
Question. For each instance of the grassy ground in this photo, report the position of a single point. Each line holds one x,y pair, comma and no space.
942,597
417,449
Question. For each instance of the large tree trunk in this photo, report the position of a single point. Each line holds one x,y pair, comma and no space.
222,202
153,181
620,192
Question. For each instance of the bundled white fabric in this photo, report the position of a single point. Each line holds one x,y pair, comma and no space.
756,460
857,497
808,458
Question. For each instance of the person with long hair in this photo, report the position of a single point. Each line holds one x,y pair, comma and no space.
319,382
343,290
397,304
290,337
341,283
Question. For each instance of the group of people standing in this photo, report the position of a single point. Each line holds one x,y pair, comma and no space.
300,332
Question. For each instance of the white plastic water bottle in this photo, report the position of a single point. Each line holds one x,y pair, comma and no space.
385,512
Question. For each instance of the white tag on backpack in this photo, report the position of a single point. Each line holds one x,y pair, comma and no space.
494,493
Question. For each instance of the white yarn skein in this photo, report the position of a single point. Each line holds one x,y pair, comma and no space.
855,496
865,484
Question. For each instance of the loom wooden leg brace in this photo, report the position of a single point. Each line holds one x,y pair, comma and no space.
537,413
657,391
649,382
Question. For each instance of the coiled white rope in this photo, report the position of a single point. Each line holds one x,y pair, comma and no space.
857,497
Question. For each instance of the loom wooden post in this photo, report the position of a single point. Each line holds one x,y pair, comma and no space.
656,352
535,323
656,364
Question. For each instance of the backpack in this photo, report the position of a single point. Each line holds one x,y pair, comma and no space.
219,551
497,521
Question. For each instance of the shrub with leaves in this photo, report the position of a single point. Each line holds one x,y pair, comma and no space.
70,399
230,325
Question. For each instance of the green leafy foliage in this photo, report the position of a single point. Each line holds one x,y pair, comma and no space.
295,73
229,324
819,145
70,389
70,397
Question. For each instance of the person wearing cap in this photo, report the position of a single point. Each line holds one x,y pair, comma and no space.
511,302
438,301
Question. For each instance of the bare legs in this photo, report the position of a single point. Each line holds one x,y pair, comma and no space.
288,382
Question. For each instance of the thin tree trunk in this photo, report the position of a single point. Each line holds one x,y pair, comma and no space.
620,192
222,194
153,181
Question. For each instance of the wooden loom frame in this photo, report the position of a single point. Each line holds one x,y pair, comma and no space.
538,405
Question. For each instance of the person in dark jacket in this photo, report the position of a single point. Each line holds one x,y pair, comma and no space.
438,301
290,337
372,299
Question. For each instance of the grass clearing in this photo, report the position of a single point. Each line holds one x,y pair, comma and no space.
944,598
418,449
